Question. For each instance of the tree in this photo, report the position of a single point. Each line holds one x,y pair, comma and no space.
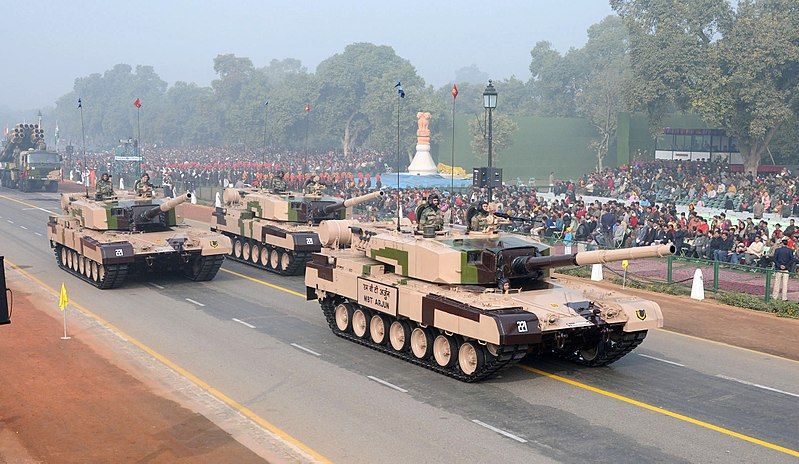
357,100
471,75
601,95
555,80
738,68
503,129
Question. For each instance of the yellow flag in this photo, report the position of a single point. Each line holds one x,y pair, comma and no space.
63,299
624,264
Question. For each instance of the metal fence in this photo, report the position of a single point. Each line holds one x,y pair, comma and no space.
678,272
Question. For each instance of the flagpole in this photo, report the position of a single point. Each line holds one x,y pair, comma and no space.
138,129
266,122
83,137
452,167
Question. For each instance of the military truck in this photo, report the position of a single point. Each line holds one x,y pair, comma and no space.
25,162
468,305
276,231
103,241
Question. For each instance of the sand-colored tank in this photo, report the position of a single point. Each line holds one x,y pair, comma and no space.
277,231
468,305
105,241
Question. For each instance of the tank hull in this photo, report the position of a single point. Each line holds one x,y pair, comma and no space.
279,247
469,332
106,259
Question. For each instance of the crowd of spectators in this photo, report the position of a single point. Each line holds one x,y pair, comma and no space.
648,215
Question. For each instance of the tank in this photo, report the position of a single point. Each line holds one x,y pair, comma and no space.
105,241
278,231
470,304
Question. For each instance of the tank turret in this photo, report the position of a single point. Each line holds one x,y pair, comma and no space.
150,214
124,212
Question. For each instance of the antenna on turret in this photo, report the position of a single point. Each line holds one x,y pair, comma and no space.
400,95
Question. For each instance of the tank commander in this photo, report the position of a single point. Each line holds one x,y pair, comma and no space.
314,186
143,186
105,189
480,220
492,220
431,215
278,184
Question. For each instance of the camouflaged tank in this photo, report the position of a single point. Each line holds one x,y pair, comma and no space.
276,231
104,241
468,305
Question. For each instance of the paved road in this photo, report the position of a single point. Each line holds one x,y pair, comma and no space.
675,399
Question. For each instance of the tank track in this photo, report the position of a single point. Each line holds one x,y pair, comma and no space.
115,274
508,355
296,265
609,352
209,267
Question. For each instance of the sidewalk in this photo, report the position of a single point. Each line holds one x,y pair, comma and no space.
61,401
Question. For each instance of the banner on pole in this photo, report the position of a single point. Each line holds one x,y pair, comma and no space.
63,298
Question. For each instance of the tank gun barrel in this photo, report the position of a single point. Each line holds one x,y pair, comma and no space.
149,214
349,202
582,258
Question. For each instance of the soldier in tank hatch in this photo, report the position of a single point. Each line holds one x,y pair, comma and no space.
431,215
105,189
143,186
278,184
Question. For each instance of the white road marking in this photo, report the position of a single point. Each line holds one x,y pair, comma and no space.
388,384
37,233
661,360
40,209
195,302
242,322
159,287
9,221
500,431
23,227
757,385
300,347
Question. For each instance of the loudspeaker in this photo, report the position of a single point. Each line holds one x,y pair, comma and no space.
5,315
487,177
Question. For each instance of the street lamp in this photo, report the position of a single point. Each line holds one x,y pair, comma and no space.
489,103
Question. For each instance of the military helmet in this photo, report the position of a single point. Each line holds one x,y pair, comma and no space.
431,197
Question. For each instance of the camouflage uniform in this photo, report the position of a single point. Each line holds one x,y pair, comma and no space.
278,184
479,221
431,216
314,188
143,188
105,189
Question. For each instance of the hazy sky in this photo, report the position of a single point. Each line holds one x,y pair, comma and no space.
52,43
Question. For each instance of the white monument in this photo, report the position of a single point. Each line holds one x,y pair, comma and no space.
422,163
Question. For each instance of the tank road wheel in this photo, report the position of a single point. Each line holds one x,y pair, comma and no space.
421,343
99,276
64,252
360,322
445,350
378,329
82,265
343,316
245,251
265,255
255,253
73,260
274,259
237,248
470,358
285,260
399,335
90,268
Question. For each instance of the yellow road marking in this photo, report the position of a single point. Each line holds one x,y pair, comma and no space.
31,205
665,412
183,372
263,282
